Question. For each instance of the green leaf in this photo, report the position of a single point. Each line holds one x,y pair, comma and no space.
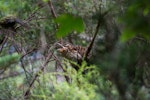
45,0
146,11
68,23
127,34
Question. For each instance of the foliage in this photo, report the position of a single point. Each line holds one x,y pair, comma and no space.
32,68
136,19
9,89
69,23
7,60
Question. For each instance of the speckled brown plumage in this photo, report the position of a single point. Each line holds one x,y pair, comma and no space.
75,53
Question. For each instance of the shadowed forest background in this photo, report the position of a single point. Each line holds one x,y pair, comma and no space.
75,49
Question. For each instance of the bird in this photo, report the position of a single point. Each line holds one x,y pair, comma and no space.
75,53
72,52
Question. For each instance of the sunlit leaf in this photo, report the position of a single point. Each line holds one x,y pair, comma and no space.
45,0
146,11
68,23
127,34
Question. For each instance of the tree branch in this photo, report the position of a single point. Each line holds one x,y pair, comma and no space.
89,48
37,74
52,9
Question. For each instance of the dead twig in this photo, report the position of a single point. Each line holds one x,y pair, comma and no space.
37,74
52,9
3,43
14,74
22,63
58,65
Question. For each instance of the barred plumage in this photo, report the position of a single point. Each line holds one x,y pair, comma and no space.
75,53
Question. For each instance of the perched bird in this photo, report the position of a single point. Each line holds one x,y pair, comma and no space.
72,52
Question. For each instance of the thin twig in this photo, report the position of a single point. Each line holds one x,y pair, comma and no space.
52,9
22,63
3,43
27,93
3,70
12,75
59,64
